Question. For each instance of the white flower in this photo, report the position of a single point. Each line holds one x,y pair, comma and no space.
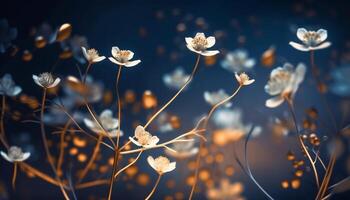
8,86
123,57
243,79
284,82
199,44
176,79
107,121
46,80
144,138
312,40
226,190
214,98
15,154
238,61
92,55
161,164
183,149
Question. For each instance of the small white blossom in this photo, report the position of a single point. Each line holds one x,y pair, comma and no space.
46,80
183,149
312,40
238,61
92,55
123,57
176,79
144,138
8,86
284,82
161,164
107,121
15,154
216,97
199,44
243,79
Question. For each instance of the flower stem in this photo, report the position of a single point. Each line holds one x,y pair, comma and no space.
177,94
154,188
86,72
127,166
2,126
14,175
61,154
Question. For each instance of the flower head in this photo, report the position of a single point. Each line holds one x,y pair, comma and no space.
341,82
46,80
161,164
123,57
144,138
312,40
176,79
92,55
226,190
238,61
7,34
215,97
199,44
8,87
183,149
15,154
107,121
284,82
243,79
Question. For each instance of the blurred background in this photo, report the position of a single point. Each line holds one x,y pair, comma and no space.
155,32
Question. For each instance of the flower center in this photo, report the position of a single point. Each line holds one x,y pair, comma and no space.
311,38
15,153
123,55
46,79
199,43
93,53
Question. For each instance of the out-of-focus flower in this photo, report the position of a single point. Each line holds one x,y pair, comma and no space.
243,79
312,40
183,150
92,55
8,86
161,164
199,44
176,79
74,45
123,57
7,34
144,138
238,61
341,84
109,123
214,98
15,154
163,122
46,80
284,82
226,190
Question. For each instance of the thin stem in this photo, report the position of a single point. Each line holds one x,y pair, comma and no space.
127,166
116,149
92,184
177,94
291,108
92,159
14,175
61,154
86,72
154,188
198,158
46,146
2,126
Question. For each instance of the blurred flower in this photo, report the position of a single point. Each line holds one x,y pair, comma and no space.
163,122
45,31
284,82
74,44
7,34
226,190
183,149
238,61
243,79
8,87
199,44
123,57
311,40
144,138
15,154
92,55
214,98
161,164
341,84
176,79
109,123
46,80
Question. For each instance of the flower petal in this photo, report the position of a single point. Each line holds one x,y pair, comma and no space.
321,46
54,84
5,156
189,40
135,142
107,113
115,61
99,59
274,102
131,55
322,33
25,156
301,33
87,57
209,53
114,51
132,63
249,82
299,47
192,49
171,167
36,80
16,91
150,161
211,41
